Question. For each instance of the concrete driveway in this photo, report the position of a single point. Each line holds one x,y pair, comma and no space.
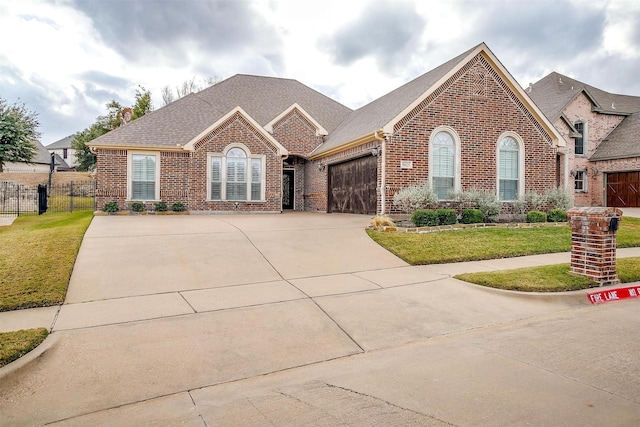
300,319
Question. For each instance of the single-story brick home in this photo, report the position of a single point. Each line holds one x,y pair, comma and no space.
602,131
266,144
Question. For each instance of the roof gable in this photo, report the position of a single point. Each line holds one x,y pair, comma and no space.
319,129
386,112
190,146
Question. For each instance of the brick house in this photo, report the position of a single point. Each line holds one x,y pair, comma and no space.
602,131
266,144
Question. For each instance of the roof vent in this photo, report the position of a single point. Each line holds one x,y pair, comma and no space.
560,80
530,88
613,105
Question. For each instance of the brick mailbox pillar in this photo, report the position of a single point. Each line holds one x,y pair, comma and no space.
593,243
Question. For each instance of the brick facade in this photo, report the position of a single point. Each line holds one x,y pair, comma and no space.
598,126
479,119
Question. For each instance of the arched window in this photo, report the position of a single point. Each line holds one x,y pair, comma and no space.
236,175
444,153
510,167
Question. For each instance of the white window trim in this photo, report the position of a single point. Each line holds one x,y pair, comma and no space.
585,138
223,172
521,154
584,182
130,155
458,151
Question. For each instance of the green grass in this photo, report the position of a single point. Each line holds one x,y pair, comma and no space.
549,278
14,345
37,254
489,243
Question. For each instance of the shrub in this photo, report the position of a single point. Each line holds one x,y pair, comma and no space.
557,215
536,216
535,200
424,218
471,216
111,207
487,203
409,199
178,207
446,216
137,207
558,198
380,221
160,207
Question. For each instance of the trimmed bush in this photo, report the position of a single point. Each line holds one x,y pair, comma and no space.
471,216
160,207
536,216
557,215
178,207
424,218
111,207
558,198
409,199
447,216
137,207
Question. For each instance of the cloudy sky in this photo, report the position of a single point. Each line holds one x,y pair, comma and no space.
66,59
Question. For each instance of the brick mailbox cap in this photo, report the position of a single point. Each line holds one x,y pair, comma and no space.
595,211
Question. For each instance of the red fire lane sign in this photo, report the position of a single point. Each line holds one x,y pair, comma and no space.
614,294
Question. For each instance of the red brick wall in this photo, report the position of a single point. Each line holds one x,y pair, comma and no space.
479,117
235,130
111,177
296,134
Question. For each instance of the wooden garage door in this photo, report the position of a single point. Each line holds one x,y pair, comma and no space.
623,189
352,186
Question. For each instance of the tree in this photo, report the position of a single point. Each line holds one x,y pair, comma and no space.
187,87
116,116
18,133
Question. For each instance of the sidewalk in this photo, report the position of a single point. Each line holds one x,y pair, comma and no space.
161,305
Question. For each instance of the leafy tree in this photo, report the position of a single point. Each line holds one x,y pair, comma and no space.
116,116
18,133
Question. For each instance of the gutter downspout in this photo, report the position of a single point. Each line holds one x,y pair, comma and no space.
383,150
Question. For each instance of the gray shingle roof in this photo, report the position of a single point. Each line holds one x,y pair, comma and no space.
61,143
42,154
622,142
263,98
380,112
555,91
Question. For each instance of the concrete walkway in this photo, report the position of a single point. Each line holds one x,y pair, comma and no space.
204,320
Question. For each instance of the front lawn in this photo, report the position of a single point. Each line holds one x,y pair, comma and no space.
489,243
37,254
14,345
549,278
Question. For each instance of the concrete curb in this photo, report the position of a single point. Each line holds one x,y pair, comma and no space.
572,298
32,356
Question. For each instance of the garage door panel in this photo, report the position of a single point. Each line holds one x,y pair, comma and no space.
352,186
623,189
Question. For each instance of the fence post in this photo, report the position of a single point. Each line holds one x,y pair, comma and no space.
18,192
71,196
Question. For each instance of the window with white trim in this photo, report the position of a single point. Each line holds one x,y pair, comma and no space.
236,175
443,159
579,141
508,168
143,176
580,182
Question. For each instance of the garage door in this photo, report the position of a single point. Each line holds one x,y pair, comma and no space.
623,189
352,186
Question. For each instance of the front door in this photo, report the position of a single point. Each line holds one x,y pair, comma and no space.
288,187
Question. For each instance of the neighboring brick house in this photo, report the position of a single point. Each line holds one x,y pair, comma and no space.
602,131
65,151
266,144
41,162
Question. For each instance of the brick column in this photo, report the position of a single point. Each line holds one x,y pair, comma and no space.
593,243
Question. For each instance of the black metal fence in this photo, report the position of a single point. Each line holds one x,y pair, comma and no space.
18,199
